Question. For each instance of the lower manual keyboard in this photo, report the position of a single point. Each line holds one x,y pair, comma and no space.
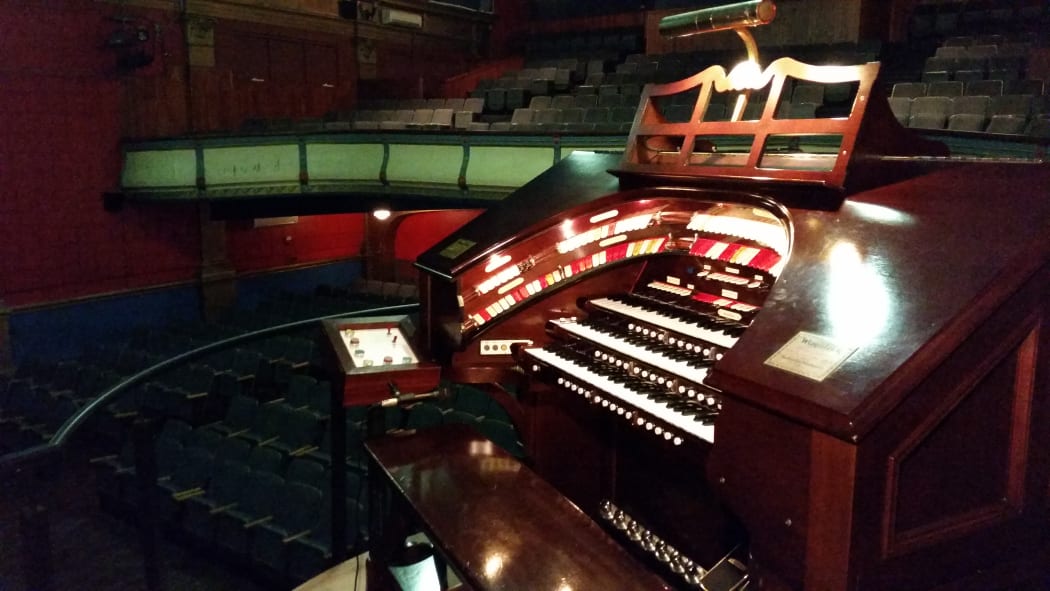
672,417
692,329
682,367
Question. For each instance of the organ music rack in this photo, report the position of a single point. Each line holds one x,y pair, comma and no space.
874,414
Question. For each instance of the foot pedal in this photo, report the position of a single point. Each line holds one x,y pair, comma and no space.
730,574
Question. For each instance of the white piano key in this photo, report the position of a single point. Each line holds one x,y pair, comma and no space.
626,395
638,313
640,353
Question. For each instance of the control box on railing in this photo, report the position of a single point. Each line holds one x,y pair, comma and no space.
372,355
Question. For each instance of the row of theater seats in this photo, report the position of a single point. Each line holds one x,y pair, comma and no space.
989,17
1030,87
255,486
979,62
976,83
805,102
237,494
249,478
607,44
36,398
418,114
1008,114
571,120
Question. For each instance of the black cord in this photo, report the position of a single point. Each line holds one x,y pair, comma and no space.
357,569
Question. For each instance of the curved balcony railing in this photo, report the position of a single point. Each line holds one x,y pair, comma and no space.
18,469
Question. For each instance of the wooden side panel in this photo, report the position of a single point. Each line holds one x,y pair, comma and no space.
955,479
760,465
831,490
943,484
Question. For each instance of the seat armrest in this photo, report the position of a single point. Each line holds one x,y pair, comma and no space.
296,536
256,522
221,509
183,495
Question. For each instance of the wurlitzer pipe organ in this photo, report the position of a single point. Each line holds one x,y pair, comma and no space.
770,351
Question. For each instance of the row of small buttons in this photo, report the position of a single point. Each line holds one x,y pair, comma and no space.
652,544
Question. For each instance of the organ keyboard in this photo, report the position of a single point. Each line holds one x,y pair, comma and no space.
766,372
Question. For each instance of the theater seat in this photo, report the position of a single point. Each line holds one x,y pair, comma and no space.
308,555
308,472
1009,124
188,480
296,514
929,112
966,122
901,107
1039,127
298,432
224,488
240,413
254,506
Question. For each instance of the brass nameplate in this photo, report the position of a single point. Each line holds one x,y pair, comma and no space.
811,355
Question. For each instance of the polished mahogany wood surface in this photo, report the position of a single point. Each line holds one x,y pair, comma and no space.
501,526
575,180
917,460
896,271
902,272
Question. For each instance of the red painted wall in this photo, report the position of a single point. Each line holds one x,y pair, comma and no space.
61,100
65,107
508,33
419,232
311,239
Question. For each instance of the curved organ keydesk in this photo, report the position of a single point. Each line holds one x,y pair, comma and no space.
643,355
825,382
624,304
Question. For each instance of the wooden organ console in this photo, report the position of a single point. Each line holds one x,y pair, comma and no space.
767,363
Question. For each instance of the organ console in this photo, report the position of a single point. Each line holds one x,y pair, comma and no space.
772,353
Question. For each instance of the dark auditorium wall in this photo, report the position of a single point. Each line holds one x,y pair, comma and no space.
61,101
66,107
69,267
69,95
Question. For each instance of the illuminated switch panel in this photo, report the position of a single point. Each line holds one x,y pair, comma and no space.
501,347
370,347
737,239
368,355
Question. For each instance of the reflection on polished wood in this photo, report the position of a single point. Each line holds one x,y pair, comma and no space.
499,524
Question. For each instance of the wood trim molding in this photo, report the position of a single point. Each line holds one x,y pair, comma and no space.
218,279
1023,344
